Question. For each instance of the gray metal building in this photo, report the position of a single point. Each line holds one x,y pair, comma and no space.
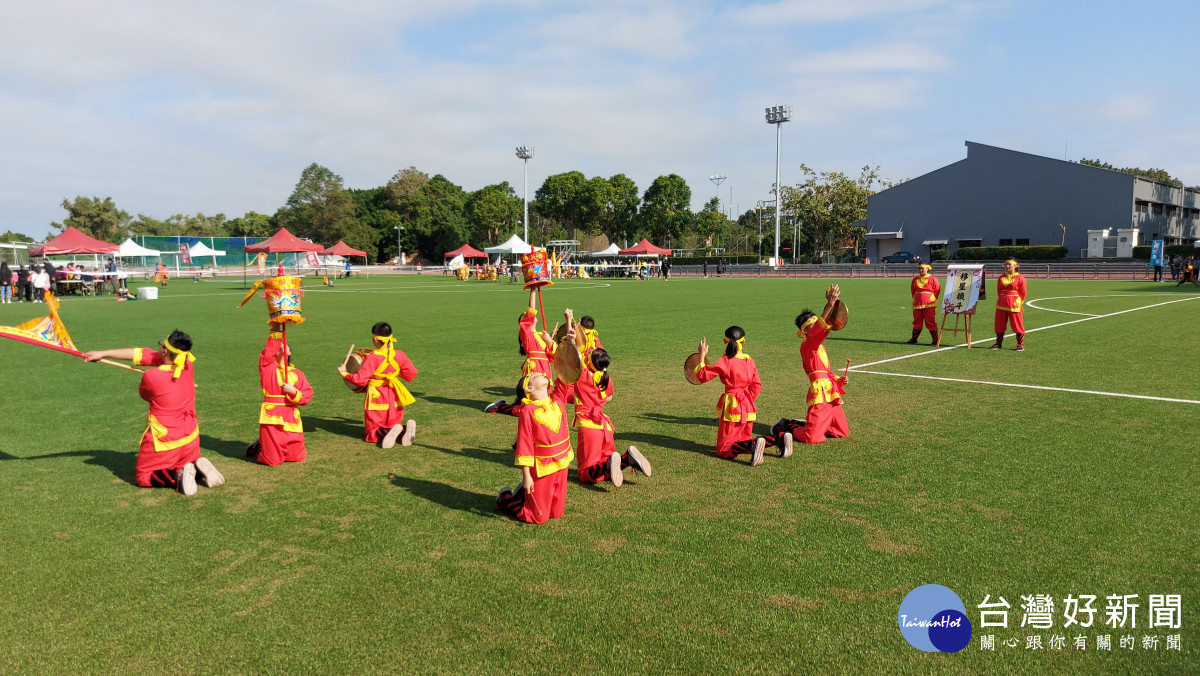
999,197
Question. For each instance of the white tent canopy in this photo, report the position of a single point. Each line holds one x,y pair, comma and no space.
202,249
131,249
514,245
609,252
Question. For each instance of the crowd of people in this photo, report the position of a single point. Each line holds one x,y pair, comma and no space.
30,283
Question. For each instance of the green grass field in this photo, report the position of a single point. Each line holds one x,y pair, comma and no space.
364,560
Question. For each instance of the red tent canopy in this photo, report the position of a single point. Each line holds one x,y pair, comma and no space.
283,242
467,251
71,241
644,248
343,249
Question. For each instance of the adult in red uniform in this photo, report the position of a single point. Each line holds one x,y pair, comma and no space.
543,452
285,389
169,454
1010,304
825,416
925,290
537,347
383,407
736,412
597,459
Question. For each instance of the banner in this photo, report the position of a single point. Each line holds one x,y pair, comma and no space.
311,258
962,289
45,331
185,254
1156,253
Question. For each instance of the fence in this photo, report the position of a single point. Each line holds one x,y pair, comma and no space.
1053,270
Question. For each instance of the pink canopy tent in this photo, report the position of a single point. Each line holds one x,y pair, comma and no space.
283,242
467,251
72,241
343,249
644,248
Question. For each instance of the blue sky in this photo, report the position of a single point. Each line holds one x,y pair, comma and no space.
172,106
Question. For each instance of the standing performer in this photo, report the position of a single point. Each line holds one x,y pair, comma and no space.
1010,302
591,337
536,346
383,407
543,452
736,412
925,290
597,458
161,275
1189,273
825,416
169,455
285,389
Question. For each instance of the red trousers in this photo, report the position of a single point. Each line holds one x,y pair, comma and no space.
593,447
822,419
547,501
379,422
148,461
1004,317
279,445
926,315
729,433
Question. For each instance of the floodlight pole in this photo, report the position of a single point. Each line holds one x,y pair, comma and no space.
777,115
526,153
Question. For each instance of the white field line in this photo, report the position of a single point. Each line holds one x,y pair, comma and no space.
1030,387
1040,328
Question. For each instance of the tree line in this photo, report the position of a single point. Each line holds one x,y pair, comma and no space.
431,215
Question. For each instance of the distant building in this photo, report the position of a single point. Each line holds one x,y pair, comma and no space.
998,197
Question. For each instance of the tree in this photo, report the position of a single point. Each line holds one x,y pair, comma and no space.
252,224
379,222
612,207
711,223
321,209
196,226
828,204
95,217
666,212
493,211
1160,175
10,236
562,197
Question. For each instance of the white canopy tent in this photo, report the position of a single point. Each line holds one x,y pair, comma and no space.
201,249
131,249
514,245
610,252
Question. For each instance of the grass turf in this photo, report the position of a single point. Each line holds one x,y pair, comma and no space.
362,560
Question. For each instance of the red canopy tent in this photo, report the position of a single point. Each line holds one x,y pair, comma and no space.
71,241
283,242
467,251
644,248
343,249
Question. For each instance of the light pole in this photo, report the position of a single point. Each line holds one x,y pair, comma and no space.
717,179
526,153
399,246
777,115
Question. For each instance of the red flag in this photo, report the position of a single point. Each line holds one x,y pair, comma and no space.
45,331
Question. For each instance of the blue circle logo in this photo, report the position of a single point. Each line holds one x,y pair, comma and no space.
932,618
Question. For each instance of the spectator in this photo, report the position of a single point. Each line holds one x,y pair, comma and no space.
23,285
41,282
6,283
348,270
1174,267
48,268
666,269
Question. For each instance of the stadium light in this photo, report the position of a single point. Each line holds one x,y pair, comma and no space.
526,153
777,115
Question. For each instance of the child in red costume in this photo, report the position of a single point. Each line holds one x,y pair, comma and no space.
383,407
169,455
736,412
285,389
825,417
925,290
1010,304
598,459
538,349
543,452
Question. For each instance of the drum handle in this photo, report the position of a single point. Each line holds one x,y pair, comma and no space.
347,359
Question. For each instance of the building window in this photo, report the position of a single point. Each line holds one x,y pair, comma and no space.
1142,208
969,242
1158,209
1022,242
1006,242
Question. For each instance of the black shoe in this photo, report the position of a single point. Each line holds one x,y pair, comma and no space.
252,450
995,347
491,408
776,429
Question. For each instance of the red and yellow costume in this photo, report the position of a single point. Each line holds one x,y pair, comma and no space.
924,289
595,430
172,436
381,372
1010,304
539,354
735,408
280,429
544,446
161,275
825,416
591,340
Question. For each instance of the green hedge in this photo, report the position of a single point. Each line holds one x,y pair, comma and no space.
1185,250
1046,252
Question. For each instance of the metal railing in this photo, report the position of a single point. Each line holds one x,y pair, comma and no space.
1054,270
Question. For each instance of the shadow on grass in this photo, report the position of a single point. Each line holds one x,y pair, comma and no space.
678,420
234,449
497,455
342,427
898,341
480,504
474,404
120,464
645,441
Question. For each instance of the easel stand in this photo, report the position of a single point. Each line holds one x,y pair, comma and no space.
965,329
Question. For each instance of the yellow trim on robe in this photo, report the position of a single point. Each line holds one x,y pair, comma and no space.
157,431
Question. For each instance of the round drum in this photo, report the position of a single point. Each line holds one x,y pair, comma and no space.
536,268
689,368
568,362
283,299
353,364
